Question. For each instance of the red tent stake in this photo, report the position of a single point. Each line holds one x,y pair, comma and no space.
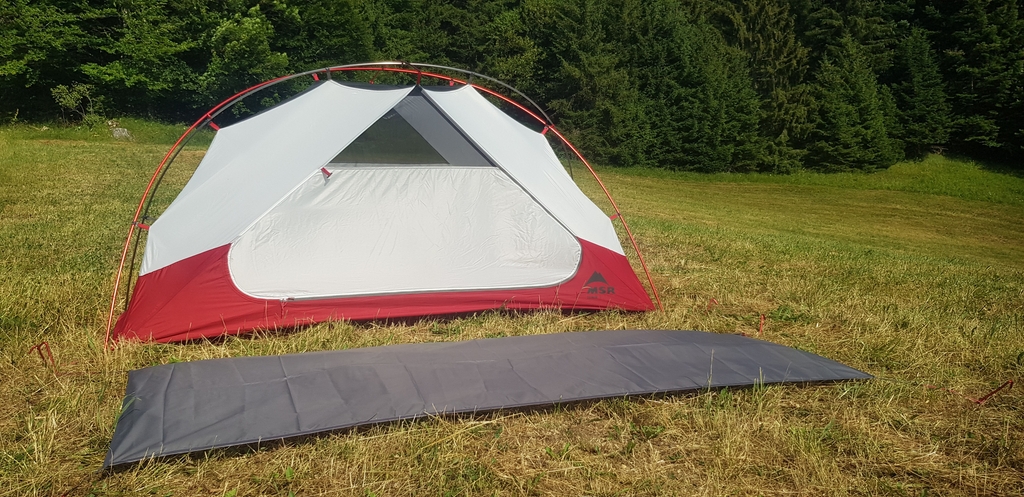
49,353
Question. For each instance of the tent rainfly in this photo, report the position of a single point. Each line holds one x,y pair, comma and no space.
356,201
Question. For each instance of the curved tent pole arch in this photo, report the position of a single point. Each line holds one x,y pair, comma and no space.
390,66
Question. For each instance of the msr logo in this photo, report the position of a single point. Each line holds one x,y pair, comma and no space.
597,285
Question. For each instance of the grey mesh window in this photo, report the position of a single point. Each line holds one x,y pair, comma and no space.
414,132
390,140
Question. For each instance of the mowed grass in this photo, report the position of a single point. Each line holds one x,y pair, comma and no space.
915,274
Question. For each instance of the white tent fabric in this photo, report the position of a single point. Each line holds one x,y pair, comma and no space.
374,202
526,156
399,228
251,165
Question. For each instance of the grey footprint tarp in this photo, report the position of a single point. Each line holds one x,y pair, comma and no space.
194,406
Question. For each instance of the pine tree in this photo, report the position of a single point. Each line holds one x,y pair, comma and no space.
987,62
764,29
711,110
824,23
923,108
592,92
850,128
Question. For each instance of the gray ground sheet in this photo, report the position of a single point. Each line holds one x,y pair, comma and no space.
194,406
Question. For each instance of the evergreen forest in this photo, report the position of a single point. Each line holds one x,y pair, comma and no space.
697,85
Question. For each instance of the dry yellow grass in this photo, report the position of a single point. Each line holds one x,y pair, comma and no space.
914,287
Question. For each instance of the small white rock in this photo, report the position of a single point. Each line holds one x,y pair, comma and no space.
121,134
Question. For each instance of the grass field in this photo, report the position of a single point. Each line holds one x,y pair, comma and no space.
914,274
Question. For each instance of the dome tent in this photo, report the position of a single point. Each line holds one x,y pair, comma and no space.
355,201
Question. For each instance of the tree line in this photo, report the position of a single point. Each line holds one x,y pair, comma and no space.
739,85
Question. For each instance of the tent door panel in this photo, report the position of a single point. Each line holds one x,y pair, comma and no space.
394,229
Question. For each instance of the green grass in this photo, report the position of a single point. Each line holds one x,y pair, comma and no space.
142,131
935,175
914,274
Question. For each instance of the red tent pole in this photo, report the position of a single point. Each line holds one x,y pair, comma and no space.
149,187
388,67
618,213
134,224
